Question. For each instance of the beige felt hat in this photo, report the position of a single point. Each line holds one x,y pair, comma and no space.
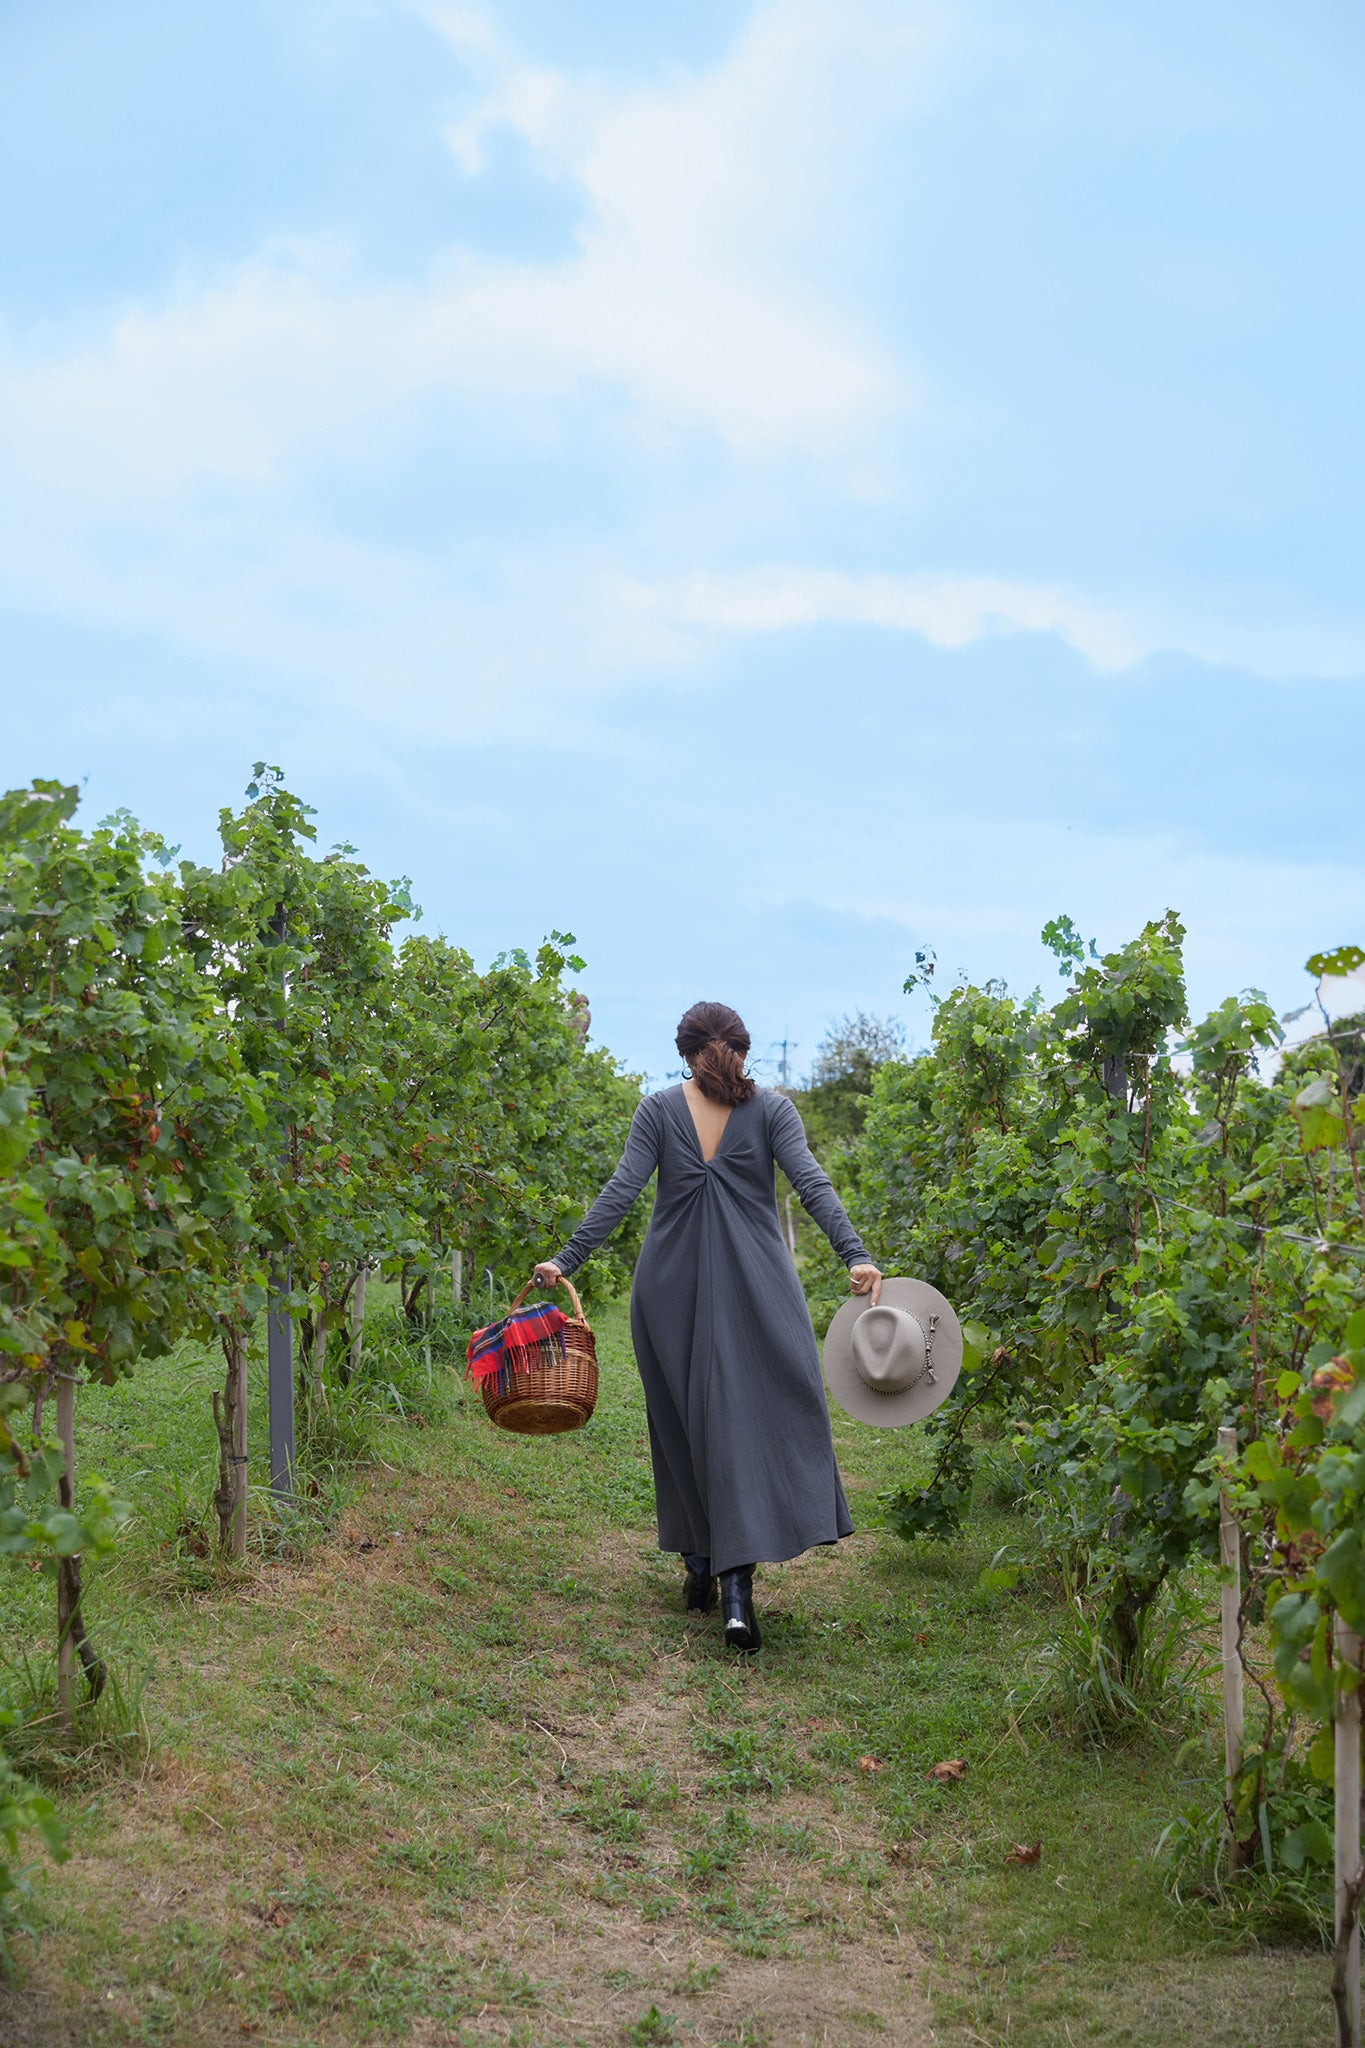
897,1362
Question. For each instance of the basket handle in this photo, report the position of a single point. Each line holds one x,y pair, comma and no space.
564,1281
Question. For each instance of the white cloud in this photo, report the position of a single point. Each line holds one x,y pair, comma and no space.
949,611
395,639
690,293
164,478
955,611
534,102
711,202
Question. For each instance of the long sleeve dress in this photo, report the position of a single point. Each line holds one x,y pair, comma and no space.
739,1429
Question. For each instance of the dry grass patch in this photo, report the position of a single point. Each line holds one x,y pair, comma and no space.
478,1815
466,1773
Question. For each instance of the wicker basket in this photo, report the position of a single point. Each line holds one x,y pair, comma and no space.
560,1390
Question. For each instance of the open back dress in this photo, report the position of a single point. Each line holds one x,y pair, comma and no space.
739,1430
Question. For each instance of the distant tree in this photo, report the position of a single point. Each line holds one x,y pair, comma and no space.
1342,1047
832,1101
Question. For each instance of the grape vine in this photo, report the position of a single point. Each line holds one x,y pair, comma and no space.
1149,1238
225,1085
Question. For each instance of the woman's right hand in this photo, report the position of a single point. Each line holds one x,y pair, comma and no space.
866,1280
547,1274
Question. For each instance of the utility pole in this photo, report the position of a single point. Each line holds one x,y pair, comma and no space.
784,1075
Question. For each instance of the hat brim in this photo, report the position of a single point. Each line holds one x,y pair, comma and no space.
893,1411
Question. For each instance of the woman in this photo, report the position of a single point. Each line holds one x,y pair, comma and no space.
738,1423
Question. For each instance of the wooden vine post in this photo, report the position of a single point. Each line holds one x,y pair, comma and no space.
239,1453
1350,1873
280,1381
357,1319
279,1324
1234,1711
457,1275
68,1568
72,1640
229,1416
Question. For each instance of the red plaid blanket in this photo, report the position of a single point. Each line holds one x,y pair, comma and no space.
522,1331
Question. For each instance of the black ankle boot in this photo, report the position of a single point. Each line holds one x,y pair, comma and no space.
737,1608
701,1587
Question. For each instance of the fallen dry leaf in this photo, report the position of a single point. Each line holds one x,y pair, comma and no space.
1026,1852
948,1772
870,1763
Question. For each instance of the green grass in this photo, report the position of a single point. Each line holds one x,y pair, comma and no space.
446,1761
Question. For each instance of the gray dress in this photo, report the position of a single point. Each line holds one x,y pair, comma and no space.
738,1422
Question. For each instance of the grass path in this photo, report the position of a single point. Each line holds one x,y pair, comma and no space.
464,1773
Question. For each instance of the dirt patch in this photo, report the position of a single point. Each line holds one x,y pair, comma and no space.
614,1864
605,1962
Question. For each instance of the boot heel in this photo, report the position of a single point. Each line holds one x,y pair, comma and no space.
737,1609
700,1586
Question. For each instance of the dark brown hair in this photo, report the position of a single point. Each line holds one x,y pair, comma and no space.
713,1041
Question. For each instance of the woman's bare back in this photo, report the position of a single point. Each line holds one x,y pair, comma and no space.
709,1117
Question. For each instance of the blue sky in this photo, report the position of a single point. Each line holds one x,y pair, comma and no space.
766,487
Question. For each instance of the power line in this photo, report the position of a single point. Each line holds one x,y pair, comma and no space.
1262,1230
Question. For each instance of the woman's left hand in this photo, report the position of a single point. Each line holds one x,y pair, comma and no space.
866,1280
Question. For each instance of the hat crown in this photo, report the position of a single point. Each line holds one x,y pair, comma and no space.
889,1349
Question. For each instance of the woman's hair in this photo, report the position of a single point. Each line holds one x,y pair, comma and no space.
713,1041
